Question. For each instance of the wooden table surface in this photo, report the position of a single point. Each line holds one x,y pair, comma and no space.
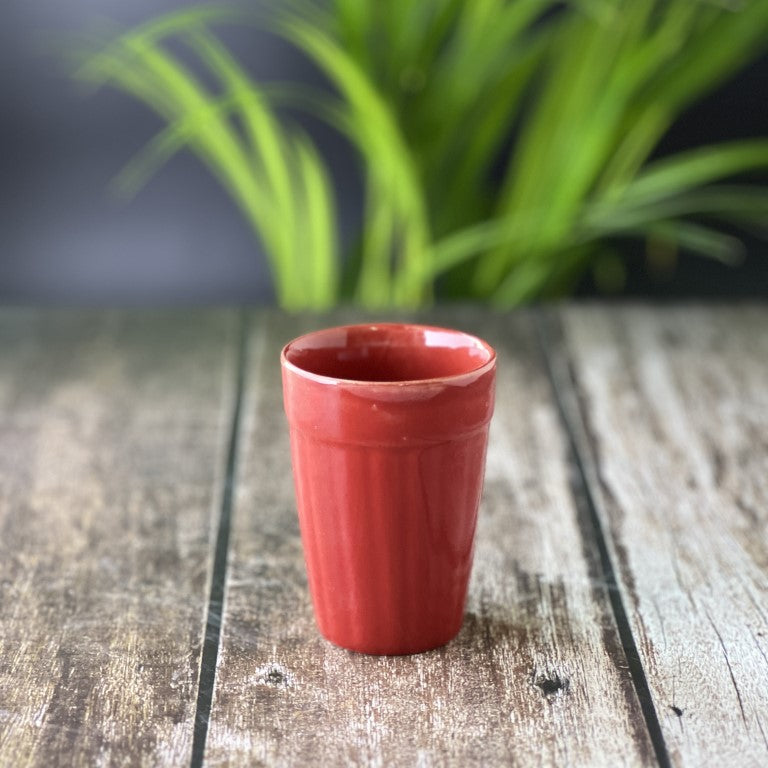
153,600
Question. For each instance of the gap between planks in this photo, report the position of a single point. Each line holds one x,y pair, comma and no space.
547,331
215,607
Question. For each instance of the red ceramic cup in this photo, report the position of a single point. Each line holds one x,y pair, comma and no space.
389,427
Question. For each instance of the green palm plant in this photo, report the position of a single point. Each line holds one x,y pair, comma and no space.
504,144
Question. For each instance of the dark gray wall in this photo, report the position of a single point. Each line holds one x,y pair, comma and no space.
63,238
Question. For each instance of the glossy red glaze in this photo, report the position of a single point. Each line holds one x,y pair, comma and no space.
389,426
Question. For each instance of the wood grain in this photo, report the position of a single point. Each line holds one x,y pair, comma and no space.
672,418
537,675
112,428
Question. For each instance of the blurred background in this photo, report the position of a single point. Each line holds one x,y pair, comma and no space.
370,182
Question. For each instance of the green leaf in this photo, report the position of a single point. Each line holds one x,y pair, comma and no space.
732,202
467,243
687,170
270,153
698,239
317,215
392,176
278,182
727,41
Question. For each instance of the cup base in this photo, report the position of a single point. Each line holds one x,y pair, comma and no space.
404,648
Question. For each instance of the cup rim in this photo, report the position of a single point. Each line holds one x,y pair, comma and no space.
453,378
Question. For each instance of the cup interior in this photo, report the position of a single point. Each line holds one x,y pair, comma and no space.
388,353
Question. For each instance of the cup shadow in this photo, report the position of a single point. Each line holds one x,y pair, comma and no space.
534,634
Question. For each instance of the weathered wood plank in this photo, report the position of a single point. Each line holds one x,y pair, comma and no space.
675,405
112,428
537,675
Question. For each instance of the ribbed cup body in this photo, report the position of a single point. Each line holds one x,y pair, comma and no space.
388,479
